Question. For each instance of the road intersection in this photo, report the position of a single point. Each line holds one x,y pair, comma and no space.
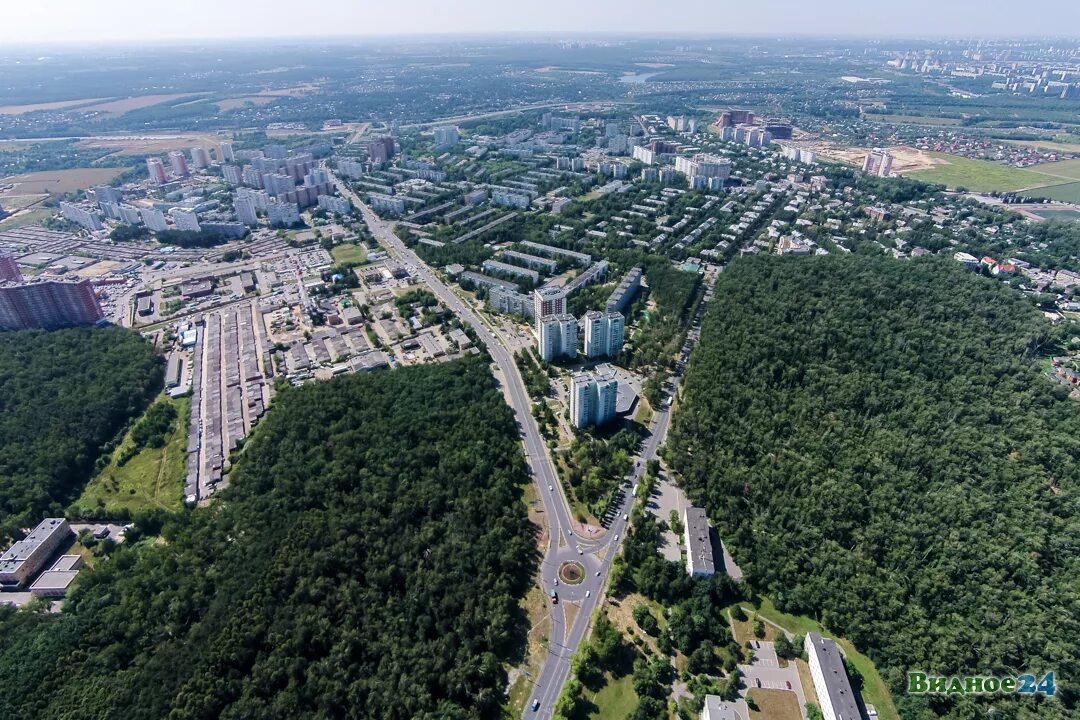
596,555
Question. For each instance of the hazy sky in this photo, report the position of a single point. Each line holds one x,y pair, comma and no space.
48,21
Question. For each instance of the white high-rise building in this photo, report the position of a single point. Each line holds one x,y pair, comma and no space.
558,337
644,154
548,301
593,400
225,153
154,219
129,214
604,333
244,205
185,219
178,163
84,218
282,214
200,158
261,197
878,162
232,174
446,136
156,169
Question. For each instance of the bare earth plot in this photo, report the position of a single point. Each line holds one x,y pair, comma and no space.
125,105
58,105
146,145
57,182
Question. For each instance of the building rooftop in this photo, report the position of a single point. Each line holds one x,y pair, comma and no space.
716,708
840,695
21,551
699,551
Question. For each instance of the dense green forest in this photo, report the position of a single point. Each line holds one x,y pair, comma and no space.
877,443
63,396
367,560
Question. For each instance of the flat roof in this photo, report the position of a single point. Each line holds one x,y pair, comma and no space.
54,580
21,551
837,684
700,551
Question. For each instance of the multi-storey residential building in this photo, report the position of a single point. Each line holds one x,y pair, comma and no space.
592,400
446,136
225,153
200,157
9,269
644,154
510,301
387,203
339,205
178,163
244,205
185,219
129,214
281,214
697,536
604,333
82,217
106,194
48,304
878,162
548,300
381,149
835,695
154,219
156,170
625,292
557,336
232,174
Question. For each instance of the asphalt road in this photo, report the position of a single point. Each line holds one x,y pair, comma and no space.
595,555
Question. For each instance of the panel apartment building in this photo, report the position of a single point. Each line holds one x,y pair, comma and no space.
48,304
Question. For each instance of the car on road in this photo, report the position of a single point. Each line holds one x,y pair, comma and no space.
535,705
616,537
551,488
556,580
554,597
758,681
597,573
788,683
588,593
580,551
625,516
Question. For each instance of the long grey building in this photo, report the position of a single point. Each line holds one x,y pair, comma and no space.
831,682
624,294
698,540
582,259
531,261
496,266
23,559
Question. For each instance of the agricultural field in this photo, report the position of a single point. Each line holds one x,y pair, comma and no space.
1067,169
1064,145
58,182
126,105
151,480
148,145
58,105
982,175
911,119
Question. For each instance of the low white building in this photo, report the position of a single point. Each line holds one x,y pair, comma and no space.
835,695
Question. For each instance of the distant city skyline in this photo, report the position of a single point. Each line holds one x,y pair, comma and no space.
132,21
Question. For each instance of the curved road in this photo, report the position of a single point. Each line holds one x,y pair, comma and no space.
563,545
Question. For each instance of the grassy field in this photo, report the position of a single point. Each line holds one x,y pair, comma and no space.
874,690
32,217
152,480
126,105
982,175
1050,145
774,704
614,701
349,253
911,119
62,181
1066,169
59,105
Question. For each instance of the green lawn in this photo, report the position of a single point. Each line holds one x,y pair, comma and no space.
152,480
349,253
1065,169
982,175
875,691
615,701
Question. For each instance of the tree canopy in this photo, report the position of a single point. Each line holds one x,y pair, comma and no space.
877,443
63,395
366,560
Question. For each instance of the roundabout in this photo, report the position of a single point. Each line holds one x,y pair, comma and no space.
572,573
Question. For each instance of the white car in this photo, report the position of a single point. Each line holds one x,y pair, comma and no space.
580,551
551,488
597,573
588,593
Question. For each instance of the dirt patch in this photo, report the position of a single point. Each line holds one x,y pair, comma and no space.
126,105
136,145
57,182
59,105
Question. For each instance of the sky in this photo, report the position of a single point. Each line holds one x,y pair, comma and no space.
80,21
